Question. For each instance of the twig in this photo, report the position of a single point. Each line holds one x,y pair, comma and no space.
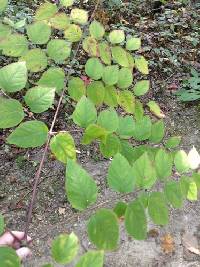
38,173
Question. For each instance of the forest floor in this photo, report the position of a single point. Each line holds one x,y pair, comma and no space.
172,52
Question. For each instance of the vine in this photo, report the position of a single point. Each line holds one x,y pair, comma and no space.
109,110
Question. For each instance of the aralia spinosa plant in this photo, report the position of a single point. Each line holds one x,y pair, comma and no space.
111,62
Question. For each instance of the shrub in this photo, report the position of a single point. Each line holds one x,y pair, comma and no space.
112,63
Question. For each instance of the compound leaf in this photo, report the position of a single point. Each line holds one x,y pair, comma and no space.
35,59
84,113
120,175
103,229
173,194
63,147
29,134
13,77
94,68
11,113
81,189
135,220
34,32
157,208
108,119
58,50
9,258
65,248
40,99
54,78
91,259
76,88
96,30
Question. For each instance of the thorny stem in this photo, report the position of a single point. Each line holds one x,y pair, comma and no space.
38,173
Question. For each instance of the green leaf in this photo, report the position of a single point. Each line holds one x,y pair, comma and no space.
173,194
91,259
163,163
76,88
35,59
3,5
155,109
65,248
192,193
111,75
73,33
58,50
96,30
127,101
60,21
144,199
96,92
125,78
84,113
136,221
11,113
13,77
94,68
80,187
34,32
141,87
5,31
90,45
108,119
126,126
46,11
157,132
196,178
120,209
29,134
130,60
15,45
110,97
2,224
63,147
8,257
47,265
105,53
157,208
144,171
142,129
193,158
120,175
120,56
138,110
40,99
66,3
133,44
103,229
54,78
142,64
173,142
127,151
93,132
79,16
184,185
116,36
110,146
181,161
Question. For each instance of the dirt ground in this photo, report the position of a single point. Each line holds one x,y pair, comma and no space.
53,214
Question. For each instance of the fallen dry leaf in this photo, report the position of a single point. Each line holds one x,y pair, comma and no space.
61,211
190,242
167,243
